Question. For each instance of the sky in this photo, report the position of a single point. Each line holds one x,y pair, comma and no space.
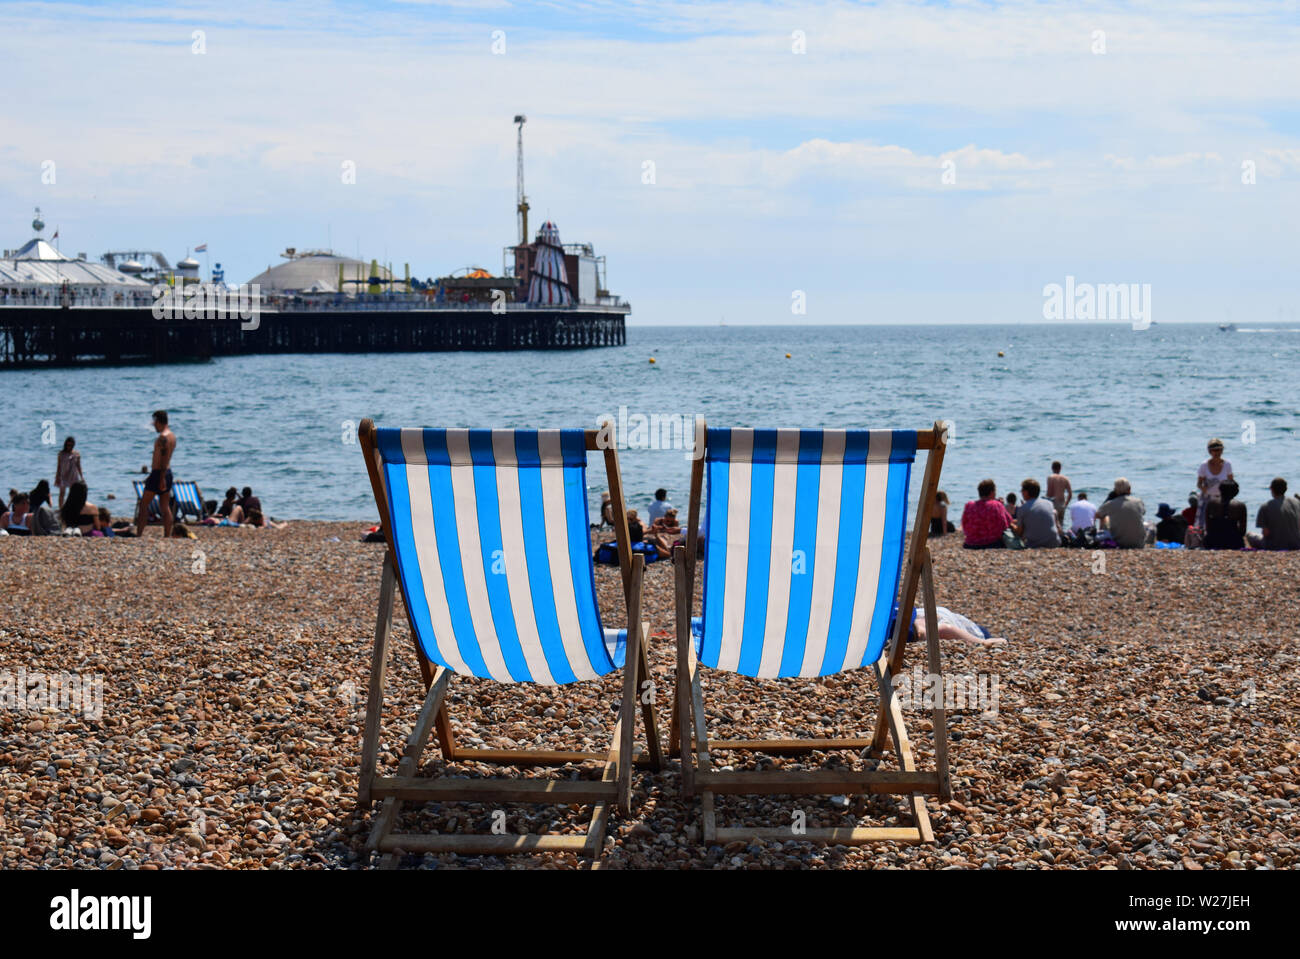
736,162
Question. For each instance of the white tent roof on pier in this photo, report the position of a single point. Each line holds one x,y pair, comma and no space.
37,264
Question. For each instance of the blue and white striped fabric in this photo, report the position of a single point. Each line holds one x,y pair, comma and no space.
187,498
804,548
492,548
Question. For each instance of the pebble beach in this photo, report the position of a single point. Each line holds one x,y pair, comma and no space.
1144,715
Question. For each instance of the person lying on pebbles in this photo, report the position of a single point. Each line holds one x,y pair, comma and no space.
952,626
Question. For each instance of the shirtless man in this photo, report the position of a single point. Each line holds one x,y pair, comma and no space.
159,482
1059,491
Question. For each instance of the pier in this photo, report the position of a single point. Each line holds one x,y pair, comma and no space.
54,335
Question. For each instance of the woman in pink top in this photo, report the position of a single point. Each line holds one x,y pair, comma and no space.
1213,472
984,519
68,470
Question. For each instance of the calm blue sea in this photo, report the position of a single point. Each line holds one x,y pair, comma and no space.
1104,399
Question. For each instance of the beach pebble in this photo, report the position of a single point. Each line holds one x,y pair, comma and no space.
231,732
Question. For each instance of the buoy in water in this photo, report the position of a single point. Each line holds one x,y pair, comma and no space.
1000,353
787,356
652,359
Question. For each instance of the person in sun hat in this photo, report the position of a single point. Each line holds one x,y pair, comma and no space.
1172,528
1211,475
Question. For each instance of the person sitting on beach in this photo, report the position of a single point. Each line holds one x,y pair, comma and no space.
1012,509
1225,519
248,502
39,496
664,532
659,505
1172,528
606,510
1211,475
951,626
230,508
1189,514
635,531
68,470
983,520
255,518
106,522
43,520
77,513
14,519
1082,512
1036,521
1059,491
1278,520
939,524
1123,514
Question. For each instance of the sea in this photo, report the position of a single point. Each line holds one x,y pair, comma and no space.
1107,400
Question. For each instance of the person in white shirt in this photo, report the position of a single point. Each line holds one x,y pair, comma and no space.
1082,512
1210,475
659,505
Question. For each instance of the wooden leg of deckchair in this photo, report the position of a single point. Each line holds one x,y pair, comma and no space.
375,697
709,820
600,810
446,737
680,734
893,713
649,699
940,718
631,668
410,763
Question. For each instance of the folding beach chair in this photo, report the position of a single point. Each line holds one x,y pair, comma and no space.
155,507
488,543
805,551
188,500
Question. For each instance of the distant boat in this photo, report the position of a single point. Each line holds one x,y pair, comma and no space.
1227,327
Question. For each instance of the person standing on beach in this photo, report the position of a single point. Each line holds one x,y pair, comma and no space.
1212,473
159,483
68,470
1059,491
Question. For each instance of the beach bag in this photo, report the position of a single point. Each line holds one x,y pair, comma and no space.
1195,537
648,550
607,553
1011,541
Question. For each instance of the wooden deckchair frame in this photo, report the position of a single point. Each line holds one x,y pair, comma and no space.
688,737
616,780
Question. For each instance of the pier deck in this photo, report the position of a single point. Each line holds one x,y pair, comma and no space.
32,336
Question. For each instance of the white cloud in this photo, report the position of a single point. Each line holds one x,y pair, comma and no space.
755,147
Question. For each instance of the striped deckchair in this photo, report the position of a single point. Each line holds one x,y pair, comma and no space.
488,543
155,505
802,566
187,500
